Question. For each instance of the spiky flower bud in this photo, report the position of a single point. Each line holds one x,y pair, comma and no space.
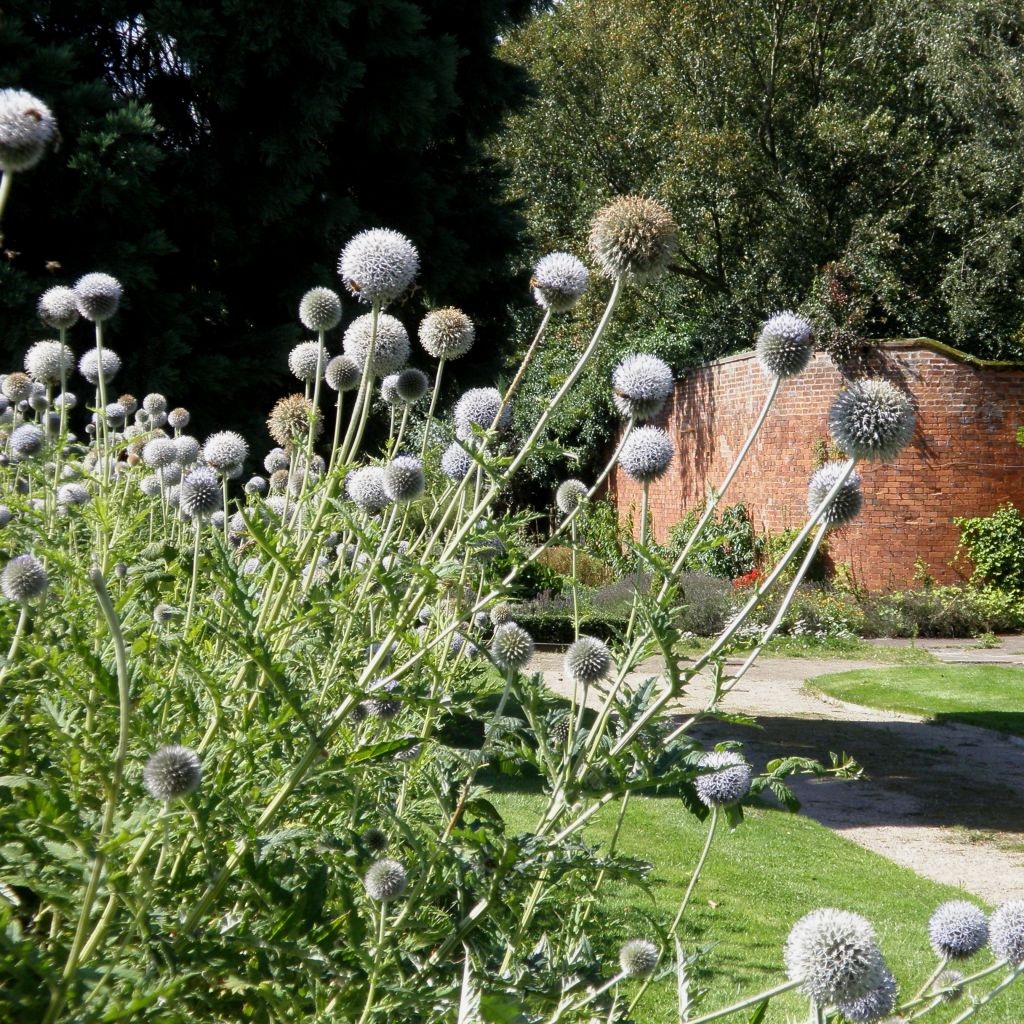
588,660
27,129
154,403
834,956
447,333
288,422
172,772
511,646
389,390
478,407
179,418
276,459
385,881
728,780
1006,931
633,237
49,361
569,494
200,494
375,840
89,365
878,1003
26,441
256,485
342,374
641,384
160,453
411,385
24,579
225,450
187,449
73,494
320,309
97,296
785,344
957,929
378,265
501,613
638,958
558,282
646,455
872,420
58,307
953,981
16,386
366,488
455,462
846,505
384,706
390,351
403,479
150,485
303,360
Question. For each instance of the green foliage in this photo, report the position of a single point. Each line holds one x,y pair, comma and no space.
943,611
729,546
590,571
995,544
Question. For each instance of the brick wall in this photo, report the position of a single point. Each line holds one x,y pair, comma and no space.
963,461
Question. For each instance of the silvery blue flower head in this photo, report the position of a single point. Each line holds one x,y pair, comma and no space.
785,344
186,448
957,929
26,441
559,280
27,129
878,1003
320,309
511,646
276,460
569,494
390,350
58,308
303,360
89,365
342,374
377,266
728,780
49,361
179,418
848,500
1006,931
411,385
385,881
455,462
479,407
646,455
200,493
872,420
16,387
638,958
365,486
588,660
98,296
73,494
633,237
403,479
641,384
23,579
225,450
447,333
389,391
160,453
172,772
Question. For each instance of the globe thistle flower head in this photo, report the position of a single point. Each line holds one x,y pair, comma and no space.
834,956
878,1003
447,333
277,458
279,481
411,385
785,345
847,503
378,265
186,448
957,929
24,579
569,494
478,407
179,418
38,402
872,420
200,494
27,129
73,494
256,485
641,384
953,981
89,365
365,486
26,441
633,237
403,479
588,660
288,422
172,772
48,361
342,374
646,455
390,351
154,403
501,613
385,881
389,390
1006,931
455,462
375,840
160,453
511,646
383,705
97,296
130,403
225,449
58,307
5,516
728,780
303,360
150,486
558,282
16,386
172,473
638,958
320,309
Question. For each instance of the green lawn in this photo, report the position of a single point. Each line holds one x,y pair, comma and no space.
758,881
831,647
991,696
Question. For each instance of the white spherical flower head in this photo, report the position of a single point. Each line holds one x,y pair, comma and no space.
58,307
558,282
447,333
366,488
27,129
878,1003
320,309
179,418
479,407
633,237
390,351
48,362
389,390
73,494
569,494
378,265
455,462
23,579
1006,931
160,453
638,958
385,881
727,780
97,296
785,345
200,493
646,455
277,459
511,646
89,365
872,420
225,450
640,386
411,385
588,660
847,503
342,374
154,403
834,956
16,387
172,772
26,441
303,360
957,930
403,479
150,486
187,449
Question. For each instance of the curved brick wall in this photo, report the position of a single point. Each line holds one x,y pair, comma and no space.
963,461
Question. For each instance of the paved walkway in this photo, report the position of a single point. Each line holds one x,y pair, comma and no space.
945,800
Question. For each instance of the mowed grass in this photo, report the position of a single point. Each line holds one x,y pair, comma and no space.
990,696
758,881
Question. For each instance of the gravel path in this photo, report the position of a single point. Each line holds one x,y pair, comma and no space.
945,800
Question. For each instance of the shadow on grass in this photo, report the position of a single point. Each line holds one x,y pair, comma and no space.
1010,722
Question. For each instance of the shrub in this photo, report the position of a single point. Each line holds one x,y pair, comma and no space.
942,611
590,571
729,545
995,544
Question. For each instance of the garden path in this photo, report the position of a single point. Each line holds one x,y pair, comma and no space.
946,800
